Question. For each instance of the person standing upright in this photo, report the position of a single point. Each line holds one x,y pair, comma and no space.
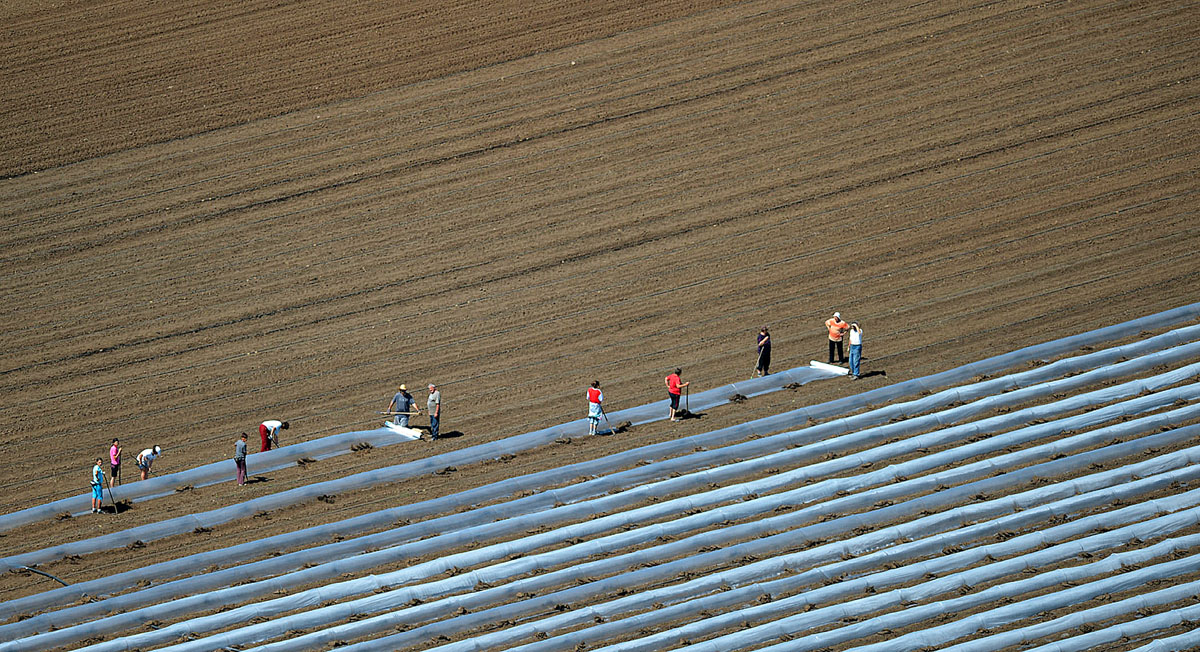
595,399
763,365
239,458
434,405
97,486
837,328
855,349
403,403
114,464
268,432
675,387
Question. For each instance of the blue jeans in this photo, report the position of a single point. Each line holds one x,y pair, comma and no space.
402,420
855,358
434,422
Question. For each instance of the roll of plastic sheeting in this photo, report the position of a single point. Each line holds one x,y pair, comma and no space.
499,572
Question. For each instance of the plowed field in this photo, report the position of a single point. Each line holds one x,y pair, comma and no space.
217,214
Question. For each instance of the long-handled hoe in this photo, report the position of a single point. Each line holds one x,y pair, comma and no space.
611,429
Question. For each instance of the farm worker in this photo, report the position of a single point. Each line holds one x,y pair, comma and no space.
403,403
97,486
239,458
837,328
114,463
855,349
675,385
434,405
146,458
595,399
764,352
268,432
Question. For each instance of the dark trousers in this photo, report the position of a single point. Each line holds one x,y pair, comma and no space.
241,470
841,357
434,423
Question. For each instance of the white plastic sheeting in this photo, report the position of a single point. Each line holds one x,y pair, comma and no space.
826,433
572,554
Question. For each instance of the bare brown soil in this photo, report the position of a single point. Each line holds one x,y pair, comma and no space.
219,214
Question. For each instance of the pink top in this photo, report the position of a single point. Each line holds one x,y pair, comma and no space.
114,454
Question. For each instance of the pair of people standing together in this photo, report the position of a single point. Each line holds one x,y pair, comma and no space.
839,329
403,405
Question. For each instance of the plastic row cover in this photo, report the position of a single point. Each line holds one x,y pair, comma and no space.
705,400
572,493
508,592
527,506
716,593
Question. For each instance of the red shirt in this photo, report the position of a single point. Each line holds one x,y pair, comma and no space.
673,384
594,395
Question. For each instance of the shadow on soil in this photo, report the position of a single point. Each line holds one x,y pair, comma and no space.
119,507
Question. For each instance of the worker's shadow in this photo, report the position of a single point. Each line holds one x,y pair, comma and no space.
255,479
119,507
877,372
688,414
453,434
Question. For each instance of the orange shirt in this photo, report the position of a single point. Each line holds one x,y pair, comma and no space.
836,328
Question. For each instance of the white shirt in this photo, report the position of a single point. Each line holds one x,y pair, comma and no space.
273,426
856,337
147,456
